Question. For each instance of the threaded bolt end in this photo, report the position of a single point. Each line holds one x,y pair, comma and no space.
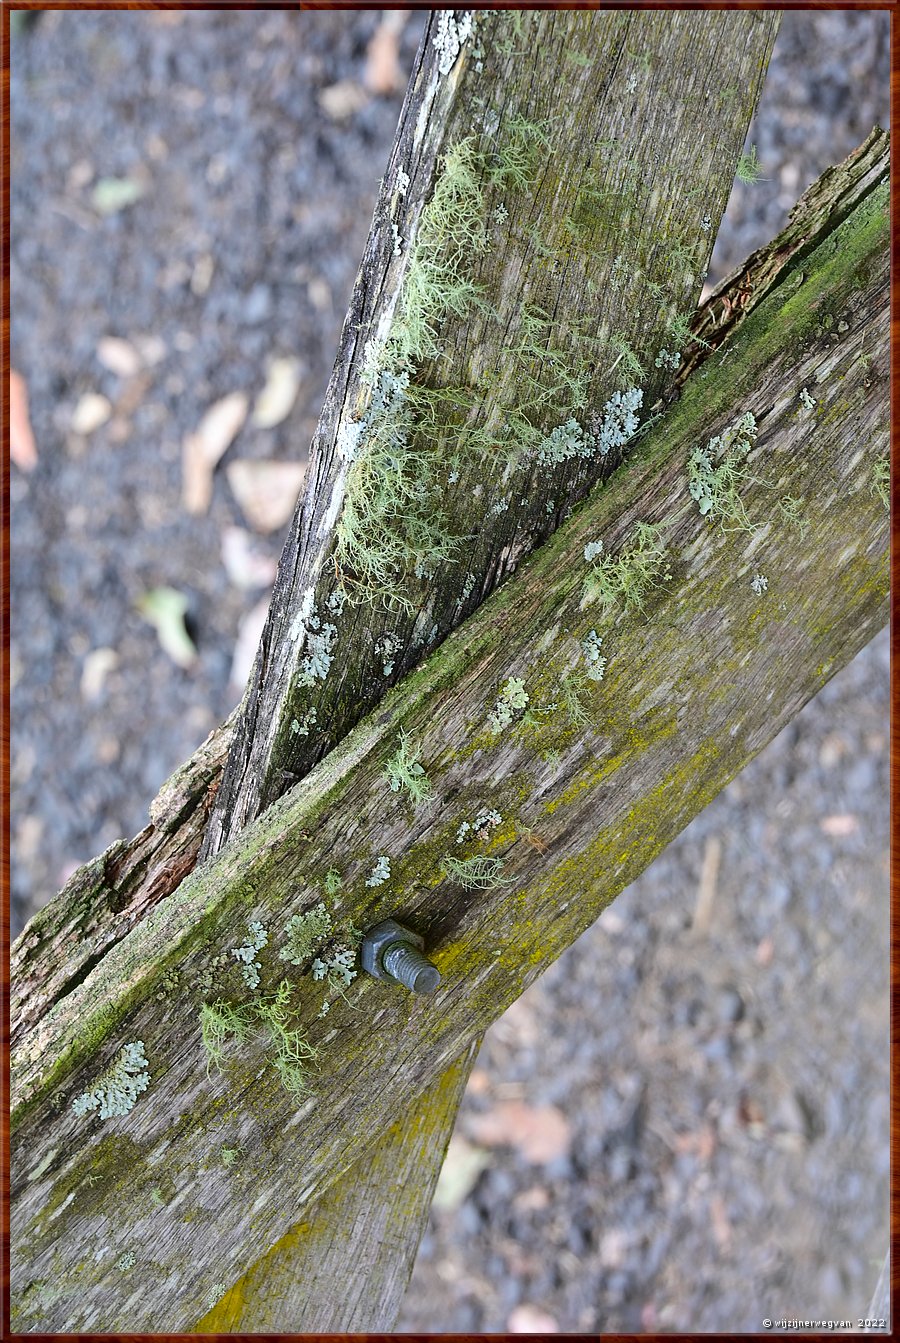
413,970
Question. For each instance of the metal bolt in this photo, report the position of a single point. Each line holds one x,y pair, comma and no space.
394,953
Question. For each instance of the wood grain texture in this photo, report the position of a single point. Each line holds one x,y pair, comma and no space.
644,116
346,1266
696,684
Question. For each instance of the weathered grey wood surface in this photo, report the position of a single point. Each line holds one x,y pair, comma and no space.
345,1267
603,146
693,688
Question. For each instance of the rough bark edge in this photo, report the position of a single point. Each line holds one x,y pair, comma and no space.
819,211
106,898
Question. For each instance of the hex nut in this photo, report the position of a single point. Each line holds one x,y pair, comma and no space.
376,942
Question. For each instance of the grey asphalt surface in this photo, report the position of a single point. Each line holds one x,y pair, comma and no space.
719,1064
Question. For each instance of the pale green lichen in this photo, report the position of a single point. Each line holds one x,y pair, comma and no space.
215,1293
717,473
573,694
304,934
302,727
476,874
320,641
512,697
880,482
748,167
338,967
514,163
387,648
331,882
405,772
117,1089
791,509
668,359
288,1050
218,1021
257,938
590,647
616,424
381,872
624,581
486,820
391,521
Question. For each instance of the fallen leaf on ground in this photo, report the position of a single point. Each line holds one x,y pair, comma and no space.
92,410
266,491
98,663
79,175
839,826
29,833
462,1166
340,101
383,73
152,349
165,609
112,194
119,356
479,1082
534,1199
249,634
201,275
765,951
246,566
22,447
202,450
541,1132
721,1224
280,392
531,1320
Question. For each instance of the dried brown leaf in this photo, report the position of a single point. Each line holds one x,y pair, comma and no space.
541,1133
383,73
343,100
202,450
92,411
266,491
527,1319
839,827
279,394
22,447
249,634
119,356
246,566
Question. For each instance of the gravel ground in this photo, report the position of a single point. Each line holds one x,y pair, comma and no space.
715,1150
